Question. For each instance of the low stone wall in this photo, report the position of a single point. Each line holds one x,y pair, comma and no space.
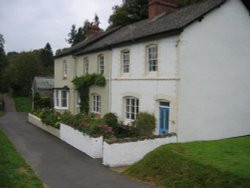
122,154
37,122
91,146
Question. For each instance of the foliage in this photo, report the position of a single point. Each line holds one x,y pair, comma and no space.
82,85
1,102
14,171
145,124
222,163
111,120
3,64
88,124
24,66
77,35
41,102
51,117
129,12
22,104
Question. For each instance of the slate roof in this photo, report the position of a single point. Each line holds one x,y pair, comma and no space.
166,24
44,82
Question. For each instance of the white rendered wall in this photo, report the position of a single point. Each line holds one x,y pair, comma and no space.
149,88
122,154
83,142
215,75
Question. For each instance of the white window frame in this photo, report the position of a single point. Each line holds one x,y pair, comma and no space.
131,105
125,57
152,58
86,65
65,69
96,103
58,96
101,64
78,102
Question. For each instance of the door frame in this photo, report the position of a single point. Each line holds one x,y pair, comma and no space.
164,107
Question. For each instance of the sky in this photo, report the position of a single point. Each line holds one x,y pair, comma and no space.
29,24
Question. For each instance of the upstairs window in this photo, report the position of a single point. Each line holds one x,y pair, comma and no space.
152,58
125,61
65,69
86,65
131,107
100,64
96,103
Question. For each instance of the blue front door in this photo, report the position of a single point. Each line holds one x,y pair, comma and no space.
164,120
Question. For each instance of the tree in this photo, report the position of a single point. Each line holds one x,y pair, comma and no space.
21,71
97,20
129,12
46,56
77,35
3,63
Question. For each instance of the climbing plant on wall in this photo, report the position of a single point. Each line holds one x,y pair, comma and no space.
82,85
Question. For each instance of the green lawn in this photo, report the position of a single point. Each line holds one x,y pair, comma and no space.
23,104
224,163
14,171
1,113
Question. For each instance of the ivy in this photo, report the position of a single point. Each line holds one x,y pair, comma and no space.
82,85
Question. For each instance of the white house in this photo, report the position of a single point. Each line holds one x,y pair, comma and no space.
188,66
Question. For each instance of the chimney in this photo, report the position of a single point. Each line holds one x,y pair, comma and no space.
157,7
93,29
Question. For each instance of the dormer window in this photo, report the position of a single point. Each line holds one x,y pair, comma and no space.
152,58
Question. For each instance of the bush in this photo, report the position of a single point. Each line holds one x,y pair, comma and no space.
111,120
51,118
41,102
145,124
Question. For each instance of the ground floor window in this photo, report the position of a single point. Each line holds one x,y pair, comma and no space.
61,98
96,103
131,107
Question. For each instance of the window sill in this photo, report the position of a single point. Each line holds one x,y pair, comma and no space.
61,108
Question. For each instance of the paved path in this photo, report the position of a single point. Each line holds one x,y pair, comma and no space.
9,105
57,164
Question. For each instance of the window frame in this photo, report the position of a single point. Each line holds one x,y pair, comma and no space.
86,65
125,64
101,66
152,58
65,69
131,107
60,100
96,103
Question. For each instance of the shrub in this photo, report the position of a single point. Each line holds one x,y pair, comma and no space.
111,120
41,102
145,124
51,118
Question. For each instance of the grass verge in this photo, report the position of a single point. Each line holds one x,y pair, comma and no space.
223,163
1,113
23,104
14,171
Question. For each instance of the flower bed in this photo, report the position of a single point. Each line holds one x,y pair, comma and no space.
83,142
37,122
127,153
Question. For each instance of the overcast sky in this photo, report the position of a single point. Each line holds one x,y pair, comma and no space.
30,24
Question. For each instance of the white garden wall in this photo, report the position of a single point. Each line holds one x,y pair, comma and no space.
91,146
122,154
37,122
